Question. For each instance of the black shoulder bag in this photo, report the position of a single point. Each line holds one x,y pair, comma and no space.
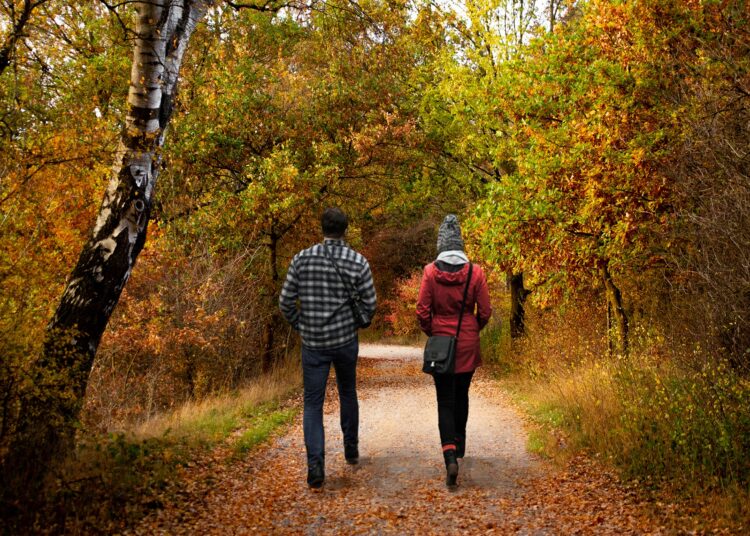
440,350
354,300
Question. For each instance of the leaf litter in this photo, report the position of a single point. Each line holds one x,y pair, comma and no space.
398,486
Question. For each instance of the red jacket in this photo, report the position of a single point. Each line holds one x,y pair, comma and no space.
437,309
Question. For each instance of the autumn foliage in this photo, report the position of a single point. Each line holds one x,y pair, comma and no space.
621,191
599,149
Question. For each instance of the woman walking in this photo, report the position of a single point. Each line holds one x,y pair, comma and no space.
438,309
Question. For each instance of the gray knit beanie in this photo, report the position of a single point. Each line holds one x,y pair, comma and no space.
449,235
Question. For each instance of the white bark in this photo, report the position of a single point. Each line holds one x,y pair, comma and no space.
163,31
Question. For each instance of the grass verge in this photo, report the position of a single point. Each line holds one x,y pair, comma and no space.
214,419
683,430
262,427
116,479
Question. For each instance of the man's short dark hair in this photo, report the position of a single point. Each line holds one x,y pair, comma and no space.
334,222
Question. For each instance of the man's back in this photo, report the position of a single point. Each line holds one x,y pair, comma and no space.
324,319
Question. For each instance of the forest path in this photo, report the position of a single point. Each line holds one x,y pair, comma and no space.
398,486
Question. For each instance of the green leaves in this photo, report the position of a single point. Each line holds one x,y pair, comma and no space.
571,135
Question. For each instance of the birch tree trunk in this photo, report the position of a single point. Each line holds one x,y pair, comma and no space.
49,413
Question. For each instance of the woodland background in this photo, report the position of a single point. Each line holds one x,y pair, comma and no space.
595,151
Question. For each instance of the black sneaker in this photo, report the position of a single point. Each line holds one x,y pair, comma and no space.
315,476
351,453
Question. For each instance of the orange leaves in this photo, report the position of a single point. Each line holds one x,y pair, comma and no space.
384,140
400,308
609,26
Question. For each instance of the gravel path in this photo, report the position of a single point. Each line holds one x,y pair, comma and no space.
398,486
390,351
399,429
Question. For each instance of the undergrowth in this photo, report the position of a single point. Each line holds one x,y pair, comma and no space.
116,478
669,421
385,336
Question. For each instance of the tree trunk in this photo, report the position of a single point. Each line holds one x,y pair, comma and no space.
617,318
518,295
268,342
49,413
610,326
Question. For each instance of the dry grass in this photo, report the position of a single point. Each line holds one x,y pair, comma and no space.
216,417
584,389
676,421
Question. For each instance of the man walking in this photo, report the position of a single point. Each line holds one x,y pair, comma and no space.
316,300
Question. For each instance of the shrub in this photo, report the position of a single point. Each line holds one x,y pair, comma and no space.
651,414
684,424
399,311
182,330
667,413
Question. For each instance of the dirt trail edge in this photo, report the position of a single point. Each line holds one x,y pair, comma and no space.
398,486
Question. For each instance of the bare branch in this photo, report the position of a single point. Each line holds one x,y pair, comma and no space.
112,8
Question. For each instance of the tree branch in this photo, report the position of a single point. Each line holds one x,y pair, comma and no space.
269,6
16,33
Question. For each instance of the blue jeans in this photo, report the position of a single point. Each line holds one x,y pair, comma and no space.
316,364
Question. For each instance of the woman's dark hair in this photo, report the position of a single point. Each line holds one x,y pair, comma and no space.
334,222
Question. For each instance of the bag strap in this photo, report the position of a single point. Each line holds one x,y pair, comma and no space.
349,290
463,301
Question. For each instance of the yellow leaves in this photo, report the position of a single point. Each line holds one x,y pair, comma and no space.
277,188
638,156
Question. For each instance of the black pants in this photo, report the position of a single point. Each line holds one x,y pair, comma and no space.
453,405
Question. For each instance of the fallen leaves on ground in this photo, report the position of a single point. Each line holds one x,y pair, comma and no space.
399,489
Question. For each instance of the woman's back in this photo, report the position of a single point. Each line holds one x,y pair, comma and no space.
440,296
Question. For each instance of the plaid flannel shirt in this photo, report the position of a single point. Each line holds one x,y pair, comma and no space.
323,317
